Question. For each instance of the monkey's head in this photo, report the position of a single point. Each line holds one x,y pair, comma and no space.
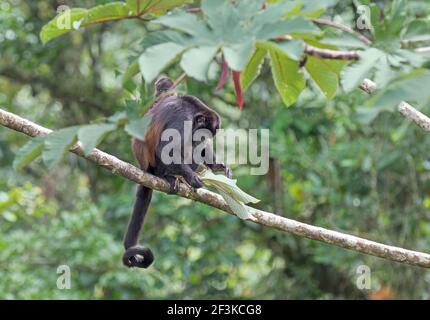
203,116
163,84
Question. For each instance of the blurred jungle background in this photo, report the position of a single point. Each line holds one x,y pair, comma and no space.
331,165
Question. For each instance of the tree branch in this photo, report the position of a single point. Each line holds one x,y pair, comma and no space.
404,108
300,229
343,27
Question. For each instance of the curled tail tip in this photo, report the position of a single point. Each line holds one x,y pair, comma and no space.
138,256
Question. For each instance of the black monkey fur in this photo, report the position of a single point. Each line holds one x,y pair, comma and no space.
169,112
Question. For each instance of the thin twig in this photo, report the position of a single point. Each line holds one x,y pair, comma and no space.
343,27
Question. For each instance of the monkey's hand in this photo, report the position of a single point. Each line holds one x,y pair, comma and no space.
138,256
195,181
222,167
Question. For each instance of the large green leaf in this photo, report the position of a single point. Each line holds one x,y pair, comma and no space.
154,59
288,78
252,69
91,135
195,62
27,153
57,144
62,23
354,74
75,18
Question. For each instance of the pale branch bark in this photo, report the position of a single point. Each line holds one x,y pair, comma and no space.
343,27
404,108
297,228
324,53
423,50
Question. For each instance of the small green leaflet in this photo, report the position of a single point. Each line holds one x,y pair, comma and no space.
137,128
154,59
27,153
252,68
154,7
91,135
325,73
354,74
238,54
131,71
288,78
195,62
57,144
235,197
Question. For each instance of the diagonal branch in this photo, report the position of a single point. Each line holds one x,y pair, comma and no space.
404,108
297,228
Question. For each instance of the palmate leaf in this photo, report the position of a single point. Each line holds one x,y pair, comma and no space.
233,27
57,144
27,153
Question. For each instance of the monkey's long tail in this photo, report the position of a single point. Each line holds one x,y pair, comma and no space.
136,255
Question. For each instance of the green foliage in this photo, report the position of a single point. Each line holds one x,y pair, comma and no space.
30,151
91,135
137,127
76,18
353,75
57,144
253,68
238,31
288,79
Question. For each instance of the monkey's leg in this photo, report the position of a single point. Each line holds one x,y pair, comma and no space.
136,255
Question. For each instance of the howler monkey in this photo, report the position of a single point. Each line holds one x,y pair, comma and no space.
169,112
